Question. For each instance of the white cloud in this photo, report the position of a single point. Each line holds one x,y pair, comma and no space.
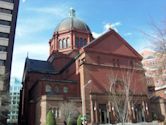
106,27
23,1
128,34
96,35
114,26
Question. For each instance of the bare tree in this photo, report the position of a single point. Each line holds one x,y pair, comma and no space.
69,109
121,95
157,38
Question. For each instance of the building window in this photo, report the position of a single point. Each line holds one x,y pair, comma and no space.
68,42
2,62
4,22
65,90
5,11
5,35
77,42
80,42
57,90
48,89
11,1
64,43
3,48
85,42
60,44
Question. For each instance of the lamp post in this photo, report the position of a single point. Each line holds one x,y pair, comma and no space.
84,102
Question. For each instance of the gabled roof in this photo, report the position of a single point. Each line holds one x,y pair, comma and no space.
111,33
39,66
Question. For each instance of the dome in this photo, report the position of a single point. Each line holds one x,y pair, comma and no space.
72,23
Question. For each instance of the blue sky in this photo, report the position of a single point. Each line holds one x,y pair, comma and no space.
37,20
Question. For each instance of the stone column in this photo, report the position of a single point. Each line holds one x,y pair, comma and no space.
108,110
96,112
92,110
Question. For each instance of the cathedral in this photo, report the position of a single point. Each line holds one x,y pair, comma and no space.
87,72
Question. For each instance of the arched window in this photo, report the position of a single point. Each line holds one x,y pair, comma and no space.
48,89
60,44
77,42
65,90
56,89
81,43
68,42
85,42
64,43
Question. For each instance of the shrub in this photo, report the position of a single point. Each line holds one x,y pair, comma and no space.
50,119
79,121
69,121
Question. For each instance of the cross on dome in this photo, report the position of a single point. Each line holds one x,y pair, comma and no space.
72,12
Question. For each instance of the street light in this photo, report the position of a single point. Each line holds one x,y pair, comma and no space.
83,102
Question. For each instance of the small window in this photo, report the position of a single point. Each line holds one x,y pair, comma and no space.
85,42
48,89
81,43
2,62
64,43
4,22
56,90
5,35
60,44
65,90
68,42
5,11
3,48
77,42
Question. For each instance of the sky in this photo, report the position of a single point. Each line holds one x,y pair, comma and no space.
37,20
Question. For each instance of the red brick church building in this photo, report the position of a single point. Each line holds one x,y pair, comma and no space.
78,70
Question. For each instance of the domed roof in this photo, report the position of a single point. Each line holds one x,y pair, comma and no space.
71,23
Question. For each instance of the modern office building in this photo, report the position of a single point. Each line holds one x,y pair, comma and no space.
15,86
8,17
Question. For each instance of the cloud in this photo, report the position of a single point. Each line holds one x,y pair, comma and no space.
96,35
23,1
114,26
128,34
106,27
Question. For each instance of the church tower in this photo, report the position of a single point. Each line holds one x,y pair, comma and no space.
70,34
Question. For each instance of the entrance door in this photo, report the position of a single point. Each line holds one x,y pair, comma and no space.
103,113
139,113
